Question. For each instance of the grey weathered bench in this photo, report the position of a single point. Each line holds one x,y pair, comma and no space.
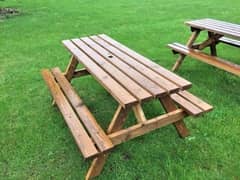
218,32
131,79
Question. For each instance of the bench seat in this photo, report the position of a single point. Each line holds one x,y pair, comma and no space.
190,103
229,41
89,136
212,60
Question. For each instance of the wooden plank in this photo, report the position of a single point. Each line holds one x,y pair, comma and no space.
216,28
224,24
80,73
212,60
86,117
203,25
184,84
230,41
139,114
113,87
142,80
130,85
155,77
186,105
196,101
146,127
81,137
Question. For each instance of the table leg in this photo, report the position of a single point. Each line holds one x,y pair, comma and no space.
213,49
139,114
190,42
115,125
170,106
71,68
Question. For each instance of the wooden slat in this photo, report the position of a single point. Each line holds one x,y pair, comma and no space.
146,127
113,87
230,41
155,77
212,60
100,138
184,84
220,25
205,25
132,87
81,137
196,101
224,24
186,105
146,83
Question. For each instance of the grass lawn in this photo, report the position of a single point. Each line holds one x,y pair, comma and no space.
34,140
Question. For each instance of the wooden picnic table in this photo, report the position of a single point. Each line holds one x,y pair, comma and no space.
218,32
131,79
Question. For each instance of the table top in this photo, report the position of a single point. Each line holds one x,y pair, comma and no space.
220,27
128,76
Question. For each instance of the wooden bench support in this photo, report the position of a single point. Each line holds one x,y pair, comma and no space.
169,106
116,124
80,73
212,60
145,127
71,68
139,114
190,42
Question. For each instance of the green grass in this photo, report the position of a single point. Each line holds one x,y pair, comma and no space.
34,140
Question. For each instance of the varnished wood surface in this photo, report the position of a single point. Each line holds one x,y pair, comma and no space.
127,75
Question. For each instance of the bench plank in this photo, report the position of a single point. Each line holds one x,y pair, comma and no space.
196,101
81,137
155,77
212,60
123,79
186,105
146,83
98,135
182,83
230,41
113,87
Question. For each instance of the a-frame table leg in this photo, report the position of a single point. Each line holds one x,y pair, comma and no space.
213,49
190,42
71,68
115,125
170,106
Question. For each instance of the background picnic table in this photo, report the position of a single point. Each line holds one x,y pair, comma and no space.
34,140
